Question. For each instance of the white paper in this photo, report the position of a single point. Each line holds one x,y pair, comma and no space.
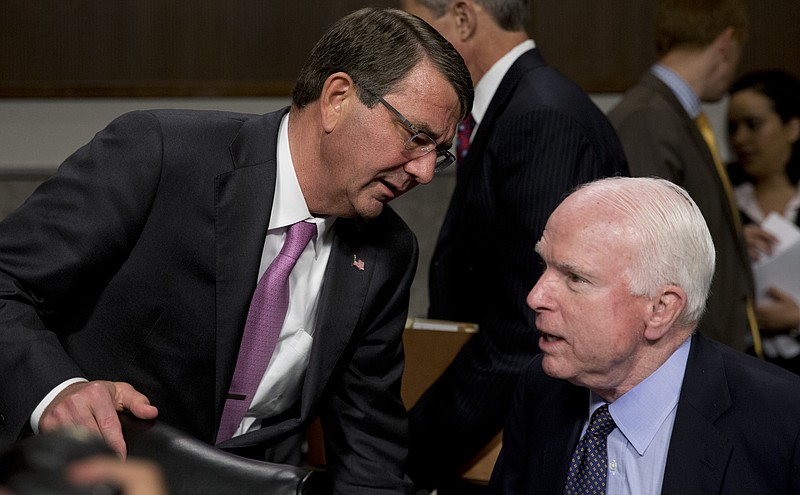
786,232
781,269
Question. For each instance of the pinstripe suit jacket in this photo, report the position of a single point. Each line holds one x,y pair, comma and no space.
541,136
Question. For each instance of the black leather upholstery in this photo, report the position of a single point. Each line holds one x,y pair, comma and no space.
192,467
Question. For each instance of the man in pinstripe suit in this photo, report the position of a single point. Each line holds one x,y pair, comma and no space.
537,137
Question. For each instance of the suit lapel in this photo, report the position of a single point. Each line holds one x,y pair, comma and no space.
659,87
243,200
342,299
698,451
528,61
565,430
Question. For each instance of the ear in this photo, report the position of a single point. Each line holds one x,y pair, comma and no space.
724,42
794,128
465,18
337,92
663,311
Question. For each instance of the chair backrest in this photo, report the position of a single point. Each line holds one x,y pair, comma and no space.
36,465
430,347
192,467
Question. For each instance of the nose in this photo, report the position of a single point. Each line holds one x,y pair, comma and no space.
421,168
537,298
738,134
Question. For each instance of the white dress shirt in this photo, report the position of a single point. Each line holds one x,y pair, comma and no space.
487,86
786,346
282,382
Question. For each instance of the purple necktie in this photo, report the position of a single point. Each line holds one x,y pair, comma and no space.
262,329
465,129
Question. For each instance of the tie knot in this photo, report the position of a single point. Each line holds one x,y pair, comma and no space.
465,129
467,125
602,423
297,237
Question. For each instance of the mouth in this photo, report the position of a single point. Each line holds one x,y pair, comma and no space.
550,338
392,191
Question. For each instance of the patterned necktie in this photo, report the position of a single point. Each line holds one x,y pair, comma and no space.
588,469
708,135
263,327
465,129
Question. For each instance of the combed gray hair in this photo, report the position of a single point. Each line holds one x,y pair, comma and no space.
675,245
511,15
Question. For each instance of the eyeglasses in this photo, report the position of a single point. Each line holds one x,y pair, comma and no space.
420,143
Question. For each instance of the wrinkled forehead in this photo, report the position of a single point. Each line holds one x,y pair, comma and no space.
585,217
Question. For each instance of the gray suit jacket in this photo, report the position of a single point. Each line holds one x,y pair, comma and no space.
660,139
736,429
137,262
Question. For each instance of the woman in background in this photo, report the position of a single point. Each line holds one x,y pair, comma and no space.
764,128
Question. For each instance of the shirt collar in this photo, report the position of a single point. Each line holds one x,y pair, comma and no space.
289,205
641,411
745,194
680,88
487,86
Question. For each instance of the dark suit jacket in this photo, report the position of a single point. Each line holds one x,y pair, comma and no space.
661,139
736,429
541,136
137,262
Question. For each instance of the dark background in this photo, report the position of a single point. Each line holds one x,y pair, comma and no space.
255,47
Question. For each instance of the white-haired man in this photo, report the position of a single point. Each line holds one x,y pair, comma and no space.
628,266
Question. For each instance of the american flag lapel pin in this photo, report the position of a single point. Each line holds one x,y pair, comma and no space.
358,263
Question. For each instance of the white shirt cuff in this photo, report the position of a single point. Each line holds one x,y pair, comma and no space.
37,413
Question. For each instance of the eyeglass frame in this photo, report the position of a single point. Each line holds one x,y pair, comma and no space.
446,157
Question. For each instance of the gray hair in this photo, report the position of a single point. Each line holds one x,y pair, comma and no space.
511,15
675,245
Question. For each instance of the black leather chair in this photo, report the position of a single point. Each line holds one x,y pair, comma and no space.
192,467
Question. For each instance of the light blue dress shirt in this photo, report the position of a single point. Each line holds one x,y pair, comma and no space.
637,448
680,88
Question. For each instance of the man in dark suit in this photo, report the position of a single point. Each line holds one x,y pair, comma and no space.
125,280
629,263
659,123
538,135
